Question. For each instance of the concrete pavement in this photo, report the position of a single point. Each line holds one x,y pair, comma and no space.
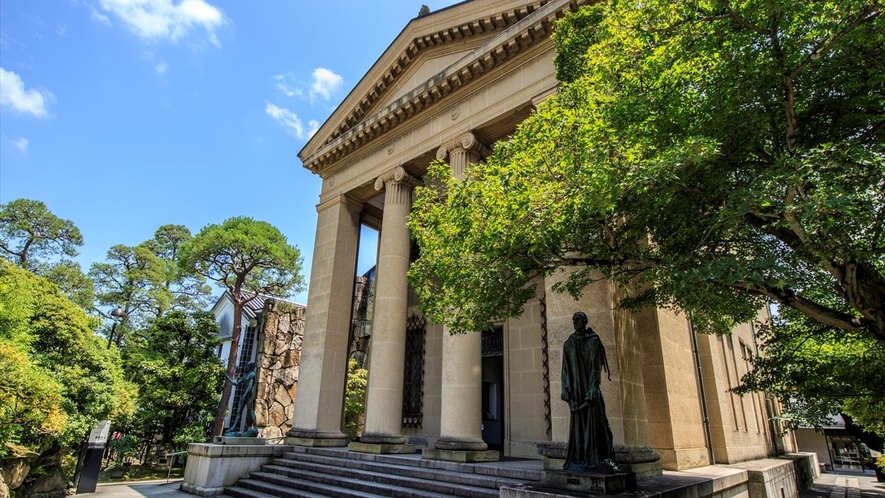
140,489
828,485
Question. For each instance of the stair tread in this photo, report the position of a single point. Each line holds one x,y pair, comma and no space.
489,484
289,490
357,483
405,467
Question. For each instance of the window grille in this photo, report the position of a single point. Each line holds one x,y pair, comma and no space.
493,342
413,380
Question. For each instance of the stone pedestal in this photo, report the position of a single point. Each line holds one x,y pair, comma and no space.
640,460
212,467
591,483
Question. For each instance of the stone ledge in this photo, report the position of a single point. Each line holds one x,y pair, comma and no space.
461,456
238,440
594,483
212,450
200,490
314,442
380,448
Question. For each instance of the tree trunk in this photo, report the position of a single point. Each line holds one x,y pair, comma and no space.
218,427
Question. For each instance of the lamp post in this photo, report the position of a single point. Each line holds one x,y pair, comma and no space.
117,313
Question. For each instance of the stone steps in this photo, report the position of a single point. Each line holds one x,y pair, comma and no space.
335,472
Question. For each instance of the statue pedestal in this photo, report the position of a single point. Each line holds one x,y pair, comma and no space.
212,467
589,482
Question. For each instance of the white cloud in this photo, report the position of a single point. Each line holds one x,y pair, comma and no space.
291,121
161,68
314,127
98,16
61,29
165,20
325,82
13,94
20,143
282,84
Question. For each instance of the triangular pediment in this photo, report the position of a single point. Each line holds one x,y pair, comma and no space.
433,56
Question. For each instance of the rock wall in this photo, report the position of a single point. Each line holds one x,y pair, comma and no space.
279,357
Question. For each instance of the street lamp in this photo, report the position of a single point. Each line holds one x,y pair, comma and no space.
117,313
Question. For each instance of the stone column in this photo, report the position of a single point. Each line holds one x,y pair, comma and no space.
460,436
318,411
384,396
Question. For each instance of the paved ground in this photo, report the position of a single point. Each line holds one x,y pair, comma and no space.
846,485
828,485
143,489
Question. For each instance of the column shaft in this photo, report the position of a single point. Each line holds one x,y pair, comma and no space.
318,411
461,396
384,396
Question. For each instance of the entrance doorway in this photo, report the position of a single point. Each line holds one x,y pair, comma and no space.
493,388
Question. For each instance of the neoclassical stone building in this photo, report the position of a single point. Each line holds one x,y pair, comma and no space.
451,84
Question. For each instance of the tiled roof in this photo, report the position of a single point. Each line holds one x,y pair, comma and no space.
253,308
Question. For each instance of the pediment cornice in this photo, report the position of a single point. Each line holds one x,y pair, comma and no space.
515,26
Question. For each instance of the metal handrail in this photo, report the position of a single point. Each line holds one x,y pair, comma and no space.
169,471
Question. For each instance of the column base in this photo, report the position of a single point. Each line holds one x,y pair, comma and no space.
462,456
376,438
444,443
641,460
381,448
325,439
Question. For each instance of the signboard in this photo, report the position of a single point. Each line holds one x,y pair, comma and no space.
99,433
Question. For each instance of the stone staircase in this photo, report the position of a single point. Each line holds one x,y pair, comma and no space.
335,472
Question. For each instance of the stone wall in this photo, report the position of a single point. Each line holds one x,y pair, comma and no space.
279,357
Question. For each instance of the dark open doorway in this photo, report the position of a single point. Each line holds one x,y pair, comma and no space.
493,388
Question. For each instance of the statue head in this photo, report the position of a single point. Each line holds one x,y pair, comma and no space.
579,319
250,366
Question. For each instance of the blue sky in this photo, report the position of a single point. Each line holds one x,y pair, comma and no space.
125,115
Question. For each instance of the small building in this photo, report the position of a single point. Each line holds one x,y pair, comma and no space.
836,447
273,329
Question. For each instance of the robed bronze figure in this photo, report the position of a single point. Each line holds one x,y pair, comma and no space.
590,437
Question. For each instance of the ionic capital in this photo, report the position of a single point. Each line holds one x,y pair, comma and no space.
397,175
467,142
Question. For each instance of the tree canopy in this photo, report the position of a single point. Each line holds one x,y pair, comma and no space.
247,258
57,380
715,155
179,378
709,156
29,231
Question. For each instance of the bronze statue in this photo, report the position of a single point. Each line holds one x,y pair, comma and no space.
246,407
590,437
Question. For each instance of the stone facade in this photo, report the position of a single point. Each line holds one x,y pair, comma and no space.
447,88
279,359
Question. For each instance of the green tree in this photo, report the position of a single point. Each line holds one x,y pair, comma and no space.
708,156
178,288
355,398
126,280
69,277
246,257
57,379
28,231
179,378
